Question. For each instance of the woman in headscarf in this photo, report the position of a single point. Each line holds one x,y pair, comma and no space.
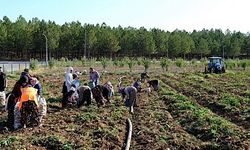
67,85
41,100
37,85
69,78
13,98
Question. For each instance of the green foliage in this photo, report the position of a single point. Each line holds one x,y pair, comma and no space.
110,132
105,62
116,62
229,100
139,61
179,63
231,64
131,63
244,63
121,63
68,40
53,142
52,63
7,141
92,61
87,117
204,122
33,64
146,63
165,63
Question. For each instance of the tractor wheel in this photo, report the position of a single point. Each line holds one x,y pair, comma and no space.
223,70
206,70
212,70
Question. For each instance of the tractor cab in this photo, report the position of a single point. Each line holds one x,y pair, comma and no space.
215,65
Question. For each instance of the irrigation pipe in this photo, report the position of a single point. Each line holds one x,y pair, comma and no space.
129,134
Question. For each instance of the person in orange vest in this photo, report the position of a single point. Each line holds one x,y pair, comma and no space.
28,106
13,98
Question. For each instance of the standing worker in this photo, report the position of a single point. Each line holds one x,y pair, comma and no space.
94,76
67,85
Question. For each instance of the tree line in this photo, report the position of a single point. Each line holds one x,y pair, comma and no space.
24,40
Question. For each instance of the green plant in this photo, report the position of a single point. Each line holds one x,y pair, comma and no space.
139,61
164,62
83,61
33,64
179,63
52,63
87,117
92,61
115,62
8,141
53,142
229,100
243,65
146,63
231,64
104,62
131,63
121,63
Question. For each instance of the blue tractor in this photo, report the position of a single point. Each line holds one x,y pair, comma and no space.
215,65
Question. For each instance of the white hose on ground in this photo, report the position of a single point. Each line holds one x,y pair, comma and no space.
129,134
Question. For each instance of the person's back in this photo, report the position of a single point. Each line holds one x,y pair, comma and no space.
28,94
75,81
2,80
137,85
13,98
2,87
25,73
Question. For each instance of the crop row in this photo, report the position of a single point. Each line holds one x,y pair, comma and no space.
203,123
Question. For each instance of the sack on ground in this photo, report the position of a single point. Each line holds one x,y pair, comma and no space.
42,109
2,99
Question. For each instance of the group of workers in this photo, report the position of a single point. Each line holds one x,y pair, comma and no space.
26,105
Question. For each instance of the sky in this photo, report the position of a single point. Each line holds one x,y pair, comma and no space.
167,15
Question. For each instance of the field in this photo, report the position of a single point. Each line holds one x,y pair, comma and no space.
191,110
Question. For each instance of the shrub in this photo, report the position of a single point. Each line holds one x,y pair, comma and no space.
139,61
116,62
131,63
92,61
83,61
7,141
231,64
33,64
52,63
121,63
179,63
146,63
104,62
164,62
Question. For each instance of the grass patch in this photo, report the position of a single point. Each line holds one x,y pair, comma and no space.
6,142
